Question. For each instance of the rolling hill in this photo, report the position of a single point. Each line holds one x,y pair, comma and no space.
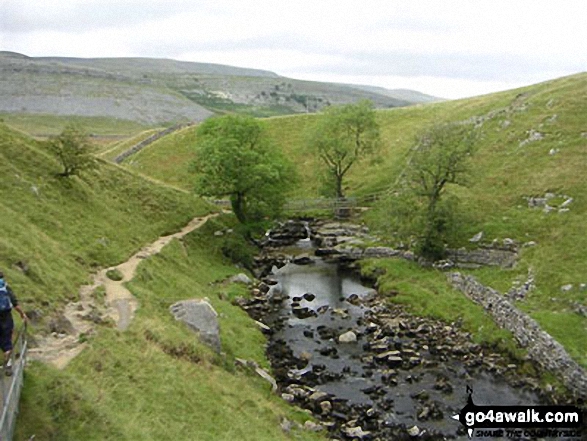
533,145
161,91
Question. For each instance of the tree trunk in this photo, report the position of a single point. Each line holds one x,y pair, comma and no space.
339,193
238,207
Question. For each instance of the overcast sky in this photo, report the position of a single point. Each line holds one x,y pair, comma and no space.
447,48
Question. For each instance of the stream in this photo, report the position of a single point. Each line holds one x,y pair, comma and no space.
397,376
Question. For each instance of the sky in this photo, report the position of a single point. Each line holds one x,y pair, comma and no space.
446,48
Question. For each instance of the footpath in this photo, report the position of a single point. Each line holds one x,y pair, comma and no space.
79,318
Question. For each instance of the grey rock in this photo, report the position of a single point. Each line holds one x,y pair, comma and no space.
414,431
477,237
318,396
356,432
240,278
533,136
566,288
348,337
288,397
312,426
201,317
509,242
566,203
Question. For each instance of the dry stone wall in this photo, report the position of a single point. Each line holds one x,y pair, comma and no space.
542,348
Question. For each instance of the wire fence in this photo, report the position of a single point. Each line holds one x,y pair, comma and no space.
320,204
11,386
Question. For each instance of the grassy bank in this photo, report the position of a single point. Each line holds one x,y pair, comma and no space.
56,231
156,381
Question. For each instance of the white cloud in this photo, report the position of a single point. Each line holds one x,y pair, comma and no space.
461,47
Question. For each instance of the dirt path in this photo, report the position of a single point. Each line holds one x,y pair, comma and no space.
79,318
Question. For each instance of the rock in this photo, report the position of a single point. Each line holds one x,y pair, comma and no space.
288,397
318,397
309,296
507,242
286,425
218,233
533,136
262,326
306,356
240,278
356,432
201,317
566,203
61,325
414,431
312,426
583,286
302,312
344,313
567,288
477,237
302,259
325,407
353,299
322,309
347,337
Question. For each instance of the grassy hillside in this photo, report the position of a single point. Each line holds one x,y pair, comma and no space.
156,381
533,142
56,230
159,91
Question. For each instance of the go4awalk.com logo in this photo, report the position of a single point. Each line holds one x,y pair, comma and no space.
520,421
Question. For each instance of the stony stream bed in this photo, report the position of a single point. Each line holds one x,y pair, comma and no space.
366,369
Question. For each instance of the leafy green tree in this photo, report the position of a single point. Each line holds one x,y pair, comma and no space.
440,157
234,159
73,150
343,136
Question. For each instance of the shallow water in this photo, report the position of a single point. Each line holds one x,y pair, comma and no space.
331,286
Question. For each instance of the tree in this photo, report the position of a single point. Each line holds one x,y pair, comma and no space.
343,136
234,159
73,151
440,157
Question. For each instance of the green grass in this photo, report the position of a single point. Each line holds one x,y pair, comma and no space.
168,159
112,150
156,381
428,293
55,231
504,172
44,125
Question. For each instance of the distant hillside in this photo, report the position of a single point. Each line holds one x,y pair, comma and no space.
411,96
160,91
30,86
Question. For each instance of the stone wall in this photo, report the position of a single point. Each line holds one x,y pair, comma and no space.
541,347
151,139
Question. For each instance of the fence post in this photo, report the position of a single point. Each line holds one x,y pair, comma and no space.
12,386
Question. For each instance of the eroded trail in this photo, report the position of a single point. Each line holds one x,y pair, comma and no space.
79,318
